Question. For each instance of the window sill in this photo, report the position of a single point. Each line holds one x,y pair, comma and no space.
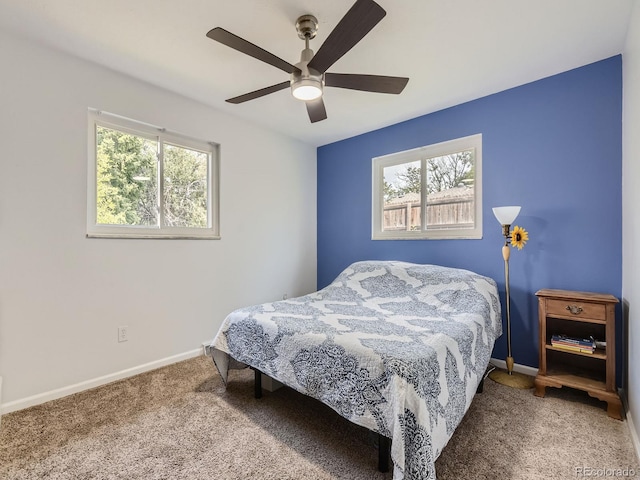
154,237
430,236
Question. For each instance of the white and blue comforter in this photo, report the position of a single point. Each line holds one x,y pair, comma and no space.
395,347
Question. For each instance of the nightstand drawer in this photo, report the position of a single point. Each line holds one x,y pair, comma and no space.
568,308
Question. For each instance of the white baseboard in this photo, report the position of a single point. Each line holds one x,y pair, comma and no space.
96,382
516,367
634,433
632,428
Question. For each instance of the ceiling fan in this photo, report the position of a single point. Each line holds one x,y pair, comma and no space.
309,76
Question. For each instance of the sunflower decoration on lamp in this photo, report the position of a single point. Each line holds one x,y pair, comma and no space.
517,238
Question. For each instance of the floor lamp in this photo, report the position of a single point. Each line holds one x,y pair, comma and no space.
506,216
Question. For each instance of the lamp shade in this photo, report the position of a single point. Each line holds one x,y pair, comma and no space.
506,215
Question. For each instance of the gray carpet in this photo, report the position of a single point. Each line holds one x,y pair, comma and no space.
178,422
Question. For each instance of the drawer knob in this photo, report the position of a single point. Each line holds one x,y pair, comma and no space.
574,309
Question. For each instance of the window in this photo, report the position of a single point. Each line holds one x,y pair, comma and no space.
145,182
429,192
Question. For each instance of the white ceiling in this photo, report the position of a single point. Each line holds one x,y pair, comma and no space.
452,50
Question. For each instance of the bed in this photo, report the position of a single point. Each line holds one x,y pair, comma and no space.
395,347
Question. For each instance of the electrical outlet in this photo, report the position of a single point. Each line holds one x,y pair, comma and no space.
285,296
123,334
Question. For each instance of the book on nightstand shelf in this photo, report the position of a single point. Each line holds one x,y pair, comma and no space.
572,344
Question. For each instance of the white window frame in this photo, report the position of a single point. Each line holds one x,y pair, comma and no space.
422,154
162,136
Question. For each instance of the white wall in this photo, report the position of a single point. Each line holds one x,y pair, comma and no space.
62,296
631,213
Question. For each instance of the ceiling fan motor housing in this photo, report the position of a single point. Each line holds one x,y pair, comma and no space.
306,83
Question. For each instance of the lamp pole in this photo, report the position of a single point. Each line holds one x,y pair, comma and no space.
506,216
505,254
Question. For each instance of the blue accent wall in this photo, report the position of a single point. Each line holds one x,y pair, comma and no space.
553,146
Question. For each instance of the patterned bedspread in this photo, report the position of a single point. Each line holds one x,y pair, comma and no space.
396,347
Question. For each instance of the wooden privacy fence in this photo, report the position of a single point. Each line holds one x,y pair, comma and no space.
443,211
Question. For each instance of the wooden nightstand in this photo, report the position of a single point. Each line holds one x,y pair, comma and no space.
582,315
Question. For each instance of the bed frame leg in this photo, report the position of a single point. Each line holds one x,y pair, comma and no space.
257,384
480,386
384,447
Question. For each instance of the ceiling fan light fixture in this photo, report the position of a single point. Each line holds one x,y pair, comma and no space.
307,89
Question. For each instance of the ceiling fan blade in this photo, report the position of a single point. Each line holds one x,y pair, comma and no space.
316,110
357,22
259,93
367,83
230,40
